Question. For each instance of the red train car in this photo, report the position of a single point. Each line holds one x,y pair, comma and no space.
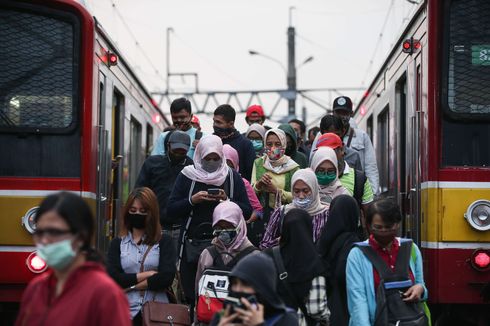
428,114
73,116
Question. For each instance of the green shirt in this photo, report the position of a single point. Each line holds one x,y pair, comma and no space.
347,180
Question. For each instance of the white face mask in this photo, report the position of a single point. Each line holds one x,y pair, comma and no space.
303,203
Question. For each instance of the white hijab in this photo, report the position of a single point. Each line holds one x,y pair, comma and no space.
321,155
207,145
284,163
308,176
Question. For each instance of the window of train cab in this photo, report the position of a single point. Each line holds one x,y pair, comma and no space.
466,84
39,132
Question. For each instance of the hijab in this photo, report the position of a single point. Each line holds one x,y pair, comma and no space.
308,176
298,251
284,163
257,128
321,155
232,155
230,212
343,218
207,145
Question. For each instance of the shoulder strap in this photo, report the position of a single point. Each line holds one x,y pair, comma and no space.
240,255
142,266
359,182
351,134
217,260
283,275
402,264
378,263
281,217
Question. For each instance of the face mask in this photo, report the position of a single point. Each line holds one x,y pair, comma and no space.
227,236
302,203
257,144
57,255
275,153
325,178
222,132
183,125
384,237
345,121
136,221
176,158
210,166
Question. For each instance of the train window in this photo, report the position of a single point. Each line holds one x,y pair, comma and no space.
149,139
467,73
369,127
38,79
135,151
383,148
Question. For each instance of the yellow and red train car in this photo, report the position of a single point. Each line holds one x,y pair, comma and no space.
73,116
428,114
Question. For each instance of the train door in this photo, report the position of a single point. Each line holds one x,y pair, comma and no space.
408,165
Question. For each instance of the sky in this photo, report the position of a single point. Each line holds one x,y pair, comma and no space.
349,40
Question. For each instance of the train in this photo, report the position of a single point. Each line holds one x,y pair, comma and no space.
427,112
74,116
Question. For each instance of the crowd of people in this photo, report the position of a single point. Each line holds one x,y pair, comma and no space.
263,227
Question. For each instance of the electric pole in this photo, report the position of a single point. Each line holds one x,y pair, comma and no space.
291,75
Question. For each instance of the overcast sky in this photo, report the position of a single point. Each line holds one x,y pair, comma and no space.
212,38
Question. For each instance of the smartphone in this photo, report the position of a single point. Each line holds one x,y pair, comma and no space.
214,191
237,303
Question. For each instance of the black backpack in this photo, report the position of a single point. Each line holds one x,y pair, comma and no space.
391,310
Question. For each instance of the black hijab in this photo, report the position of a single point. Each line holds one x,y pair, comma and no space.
343,217
298,251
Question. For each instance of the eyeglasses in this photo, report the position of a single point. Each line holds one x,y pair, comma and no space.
50,233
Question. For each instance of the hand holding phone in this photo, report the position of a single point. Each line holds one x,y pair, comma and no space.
214,191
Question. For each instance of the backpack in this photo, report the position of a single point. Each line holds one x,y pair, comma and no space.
359,182
214,284
391,310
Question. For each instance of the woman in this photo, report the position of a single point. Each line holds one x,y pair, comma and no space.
232,160
324,163
383,219
306,197
256,134
271,179
141,260
304,287
254,278
66,293
334,246
292,146
199,188
229,245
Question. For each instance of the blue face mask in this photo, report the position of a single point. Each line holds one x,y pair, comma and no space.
57,255
227,236
257,144
302,203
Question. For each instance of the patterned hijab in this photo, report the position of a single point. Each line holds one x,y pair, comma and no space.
284,163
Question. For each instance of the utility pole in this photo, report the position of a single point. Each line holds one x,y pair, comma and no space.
291,75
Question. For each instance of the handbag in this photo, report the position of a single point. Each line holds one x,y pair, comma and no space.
159,313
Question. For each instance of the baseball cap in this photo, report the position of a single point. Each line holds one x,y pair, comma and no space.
179,139
255,109
195,119
342,103
329,140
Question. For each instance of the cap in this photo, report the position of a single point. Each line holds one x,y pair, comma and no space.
195,119
342,103
329,140
179,139
255,109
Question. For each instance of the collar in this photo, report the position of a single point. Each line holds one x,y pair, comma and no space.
346,167
129,238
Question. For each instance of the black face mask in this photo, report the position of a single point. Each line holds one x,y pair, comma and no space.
176,158
384,237
136,221
222,132
183,125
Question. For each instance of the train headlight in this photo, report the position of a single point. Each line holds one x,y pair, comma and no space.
35,263
480,260
478,215
28,220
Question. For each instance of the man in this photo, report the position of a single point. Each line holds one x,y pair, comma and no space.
353,180
159,173
358,140
300,128
224,127
292,148
333,124
255,114
181,113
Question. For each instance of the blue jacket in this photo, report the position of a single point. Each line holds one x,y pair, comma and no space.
246,153
361,298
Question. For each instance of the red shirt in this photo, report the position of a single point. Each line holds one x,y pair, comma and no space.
388,256
89,297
